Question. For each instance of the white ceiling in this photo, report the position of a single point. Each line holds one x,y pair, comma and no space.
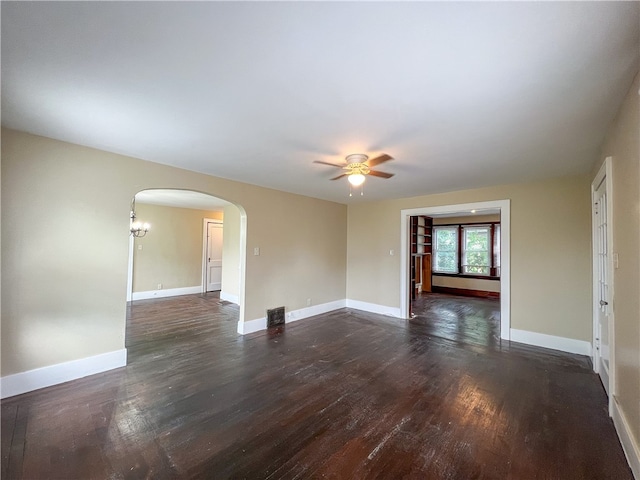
181,199
463,95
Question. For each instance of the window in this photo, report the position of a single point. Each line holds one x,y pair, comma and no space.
475,248
446,251
472,250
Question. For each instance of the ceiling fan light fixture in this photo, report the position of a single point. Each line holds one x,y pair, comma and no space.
357,166
356,158
356,179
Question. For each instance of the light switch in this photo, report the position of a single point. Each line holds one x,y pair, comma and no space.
392,252
615,260
139,247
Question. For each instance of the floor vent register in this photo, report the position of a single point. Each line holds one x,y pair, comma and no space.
275,317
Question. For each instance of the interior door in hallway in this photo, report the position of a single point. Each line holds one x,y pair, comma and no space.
603,296
214,256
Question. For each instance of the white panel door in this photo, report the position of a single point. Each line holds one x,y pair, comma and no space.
214,256
601,247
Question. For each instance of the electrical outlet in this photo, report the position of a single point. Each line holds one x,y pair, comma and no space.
256,251
159,286
308,302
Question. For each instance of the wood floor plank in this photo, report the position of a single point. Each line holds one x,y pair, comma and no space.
346,395
7,427
16,427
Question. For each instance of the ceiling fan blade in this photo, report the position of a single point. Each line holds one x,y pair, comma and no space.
328,163
339,176
381,174
372,162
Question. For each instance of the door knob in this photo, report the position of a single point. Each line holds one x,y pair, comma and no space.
603,303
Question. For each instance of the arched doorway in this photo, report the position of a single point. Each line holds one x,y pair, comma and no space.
173,257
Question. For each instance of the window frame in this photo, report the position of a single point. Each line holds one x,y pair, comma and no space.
494,269
456,251
464,261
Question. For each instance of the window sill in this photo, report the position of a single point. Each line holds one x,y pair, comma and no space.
464,275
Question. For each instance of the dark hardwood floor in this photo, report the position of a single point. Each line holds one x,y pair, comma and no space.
469,320
346,395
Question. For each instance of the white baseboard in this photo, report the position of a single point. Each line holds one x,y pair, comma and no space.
24,382
374,308
251,326
169,292
258,324
629,443
563,344
227,297
307,312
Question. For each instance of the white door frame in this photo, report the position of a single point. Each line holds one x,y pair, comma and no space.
505,254
205,221
130,269
606,173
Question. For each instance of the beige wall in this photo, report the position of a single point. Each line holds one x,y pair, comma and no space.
469,219
65,214
623,144
550,252
467,283
171,252
231,249
461,282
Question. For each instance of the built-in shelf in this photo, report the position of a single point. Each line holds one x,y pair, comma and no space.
421,231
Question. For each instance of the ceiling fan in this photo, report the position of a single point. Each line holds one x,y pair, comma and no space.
358,165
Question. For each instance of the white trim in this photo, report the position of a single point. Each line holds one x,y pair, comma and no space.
630,446
563,344
24,382
205,246
228,297
243,262
130,269
606,173
251,326
594,274
258,324
374,308
505,254
295,315
168,292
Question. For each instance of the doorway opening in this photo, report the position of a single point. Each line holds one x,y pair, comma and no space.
408,260
174,257
212,252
